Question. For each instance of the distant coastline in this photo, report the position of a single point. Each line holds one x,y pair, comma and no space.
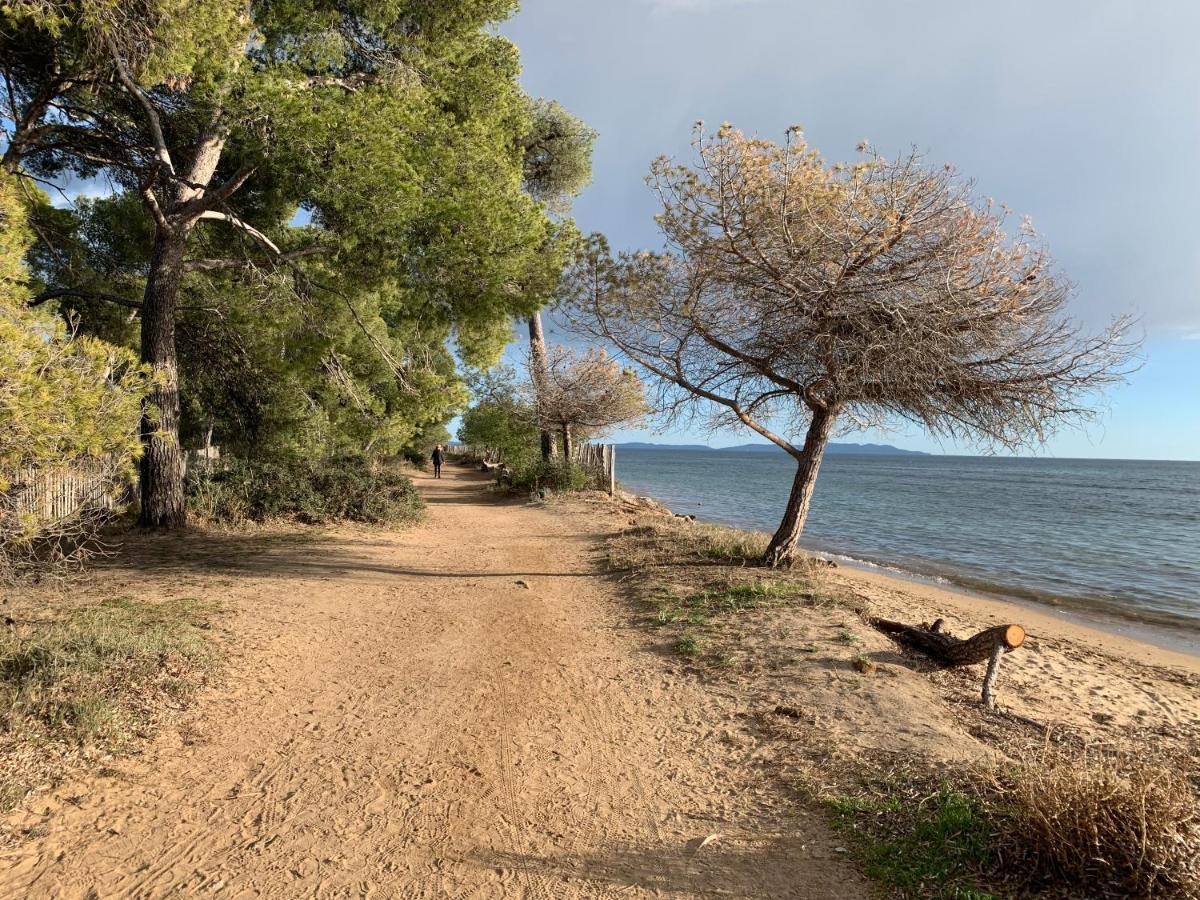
832,448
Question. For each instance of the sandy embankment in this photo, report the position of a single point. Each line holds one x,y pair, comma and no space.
1114,688
1068,673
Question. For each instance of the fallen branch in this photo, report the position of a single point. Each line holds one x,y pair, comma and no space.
950,652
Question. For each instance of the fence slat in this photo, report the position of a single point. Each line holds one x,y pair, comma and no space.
599,461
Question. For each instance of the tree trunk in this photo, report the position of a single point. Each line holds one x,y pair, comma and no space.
162,457
566,438
537,365
781,552
946,649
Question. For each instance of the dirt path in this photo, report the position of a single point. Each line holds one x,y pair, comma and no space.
453,711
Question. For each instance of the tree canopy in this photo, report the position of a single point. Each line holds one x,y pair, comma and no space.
310,201
587,391
797,296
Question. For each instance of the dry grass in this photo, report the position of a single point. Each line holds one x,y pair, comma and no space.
662,541
95,679
1056,820
1112,823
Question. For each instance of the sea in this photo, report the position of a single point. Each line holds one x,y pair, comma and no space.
1117,540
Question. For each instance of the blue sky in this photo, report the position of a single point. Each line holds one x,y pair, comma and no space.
1083,114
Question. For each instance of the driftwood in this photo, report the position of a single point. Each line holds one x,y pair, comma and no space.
948,651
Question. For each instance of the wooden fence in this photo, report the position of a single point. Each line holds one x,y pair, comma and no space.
59,494
599,461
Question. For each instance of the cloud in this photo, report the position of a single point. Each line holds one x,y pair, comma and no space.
76,189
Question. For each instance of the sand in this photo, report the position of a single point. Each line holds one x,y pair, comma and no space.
462,709
1099,682
1069,679
474,708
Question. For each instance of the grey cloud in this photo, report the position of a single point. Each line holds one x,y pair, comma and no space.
1084,115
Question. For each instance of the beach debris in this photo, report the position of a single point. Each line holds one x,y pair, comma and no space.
522,584
698,844
790,711
950,652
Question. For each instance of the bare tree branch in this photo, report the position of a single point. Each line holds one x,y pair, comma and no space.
261,239
805,294
152,119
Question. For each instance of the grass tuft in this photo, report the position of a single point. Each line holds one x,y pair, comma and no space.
1113,823
675,542
926,848
97,673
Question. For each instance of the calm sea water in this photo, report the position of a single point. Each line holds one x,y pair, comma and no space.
1113,536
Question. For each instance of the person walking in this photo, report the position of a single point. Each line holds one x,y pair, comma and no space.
438,458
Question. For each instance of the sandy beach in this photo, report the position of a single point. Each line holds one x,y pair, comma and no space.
1083,678
1068,672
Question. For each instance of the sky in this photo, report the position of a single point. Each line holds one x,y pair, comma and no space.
1082,114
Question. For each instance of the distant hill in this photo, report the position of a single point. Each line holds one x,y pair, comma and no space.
833,448
642,445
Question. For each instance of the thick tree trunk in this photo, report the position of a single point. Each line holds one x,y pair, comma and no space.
782,551
537,364
949,651
567,447
162,457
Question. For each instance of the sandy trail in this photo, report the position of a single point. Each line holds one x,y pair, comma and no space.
405,718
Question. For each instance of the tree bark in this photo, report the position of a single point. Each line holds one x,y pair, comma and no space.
993,672
567,447
537,365
782,551
162,458
950,651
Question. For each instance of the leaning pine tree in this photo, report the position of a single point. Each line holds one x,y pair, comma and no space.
798,298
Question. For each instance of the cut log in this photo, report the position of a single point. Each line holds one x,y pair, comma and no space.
950,651
947,650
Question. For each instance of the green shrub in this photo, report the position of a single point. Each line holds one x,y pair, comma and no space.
315,493
554,475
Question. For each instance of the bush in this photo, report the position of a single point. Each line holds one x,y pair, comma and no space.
350,489
1113,823
554,475
69,405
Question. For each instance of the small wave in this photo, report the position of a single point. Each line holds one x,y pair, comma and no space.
855,561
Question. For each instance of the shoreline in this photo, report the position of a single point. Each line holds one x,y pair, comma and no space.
1149,643
1167,638
1137,645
